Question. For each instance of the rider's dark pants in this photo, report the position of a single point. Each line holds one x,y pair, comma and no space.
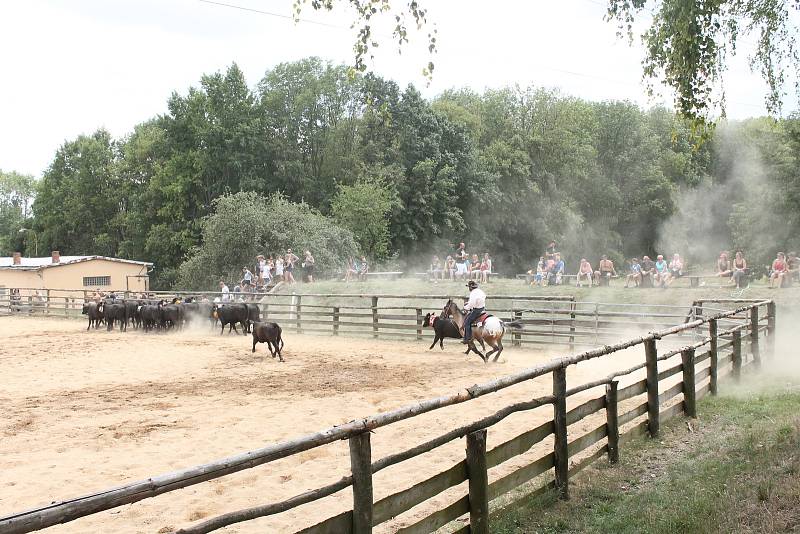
471,318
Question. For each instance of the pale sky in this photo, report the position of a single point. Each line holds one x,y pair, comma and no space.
72,66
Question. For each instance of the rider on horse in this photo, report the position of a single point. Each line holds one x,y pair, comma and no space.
475,306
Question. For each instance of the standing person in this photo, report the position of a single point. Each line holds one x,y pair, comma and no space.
363,268
584,272
266,272
247,280
779,270
279,268
351,270
486,268
308,265
475,305
226,293
605,270
258,271
288,266
550,251
739,270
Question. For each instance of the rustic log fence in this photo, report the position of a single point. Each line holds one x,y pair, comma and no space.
545,320
621,417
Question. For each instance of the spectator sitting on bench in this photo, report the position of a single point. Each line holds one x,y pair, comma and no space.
585,272
635,274
740,270
723,265
779,271
555,273
475,268
648,272
604,271
450,267
535,276
436,270
662,272
675,269
486,268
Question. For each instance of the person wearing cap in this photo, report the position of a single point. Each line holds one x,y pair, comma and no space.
475,306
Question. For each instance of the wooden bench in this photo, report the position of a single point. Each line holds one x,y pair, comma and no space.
391,275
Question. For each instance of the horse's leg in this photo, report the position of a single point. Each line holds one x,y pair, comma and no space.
500,349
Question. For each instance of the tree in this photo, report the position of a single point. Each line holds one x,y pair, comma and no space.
17,192
362,208
689,41
245,224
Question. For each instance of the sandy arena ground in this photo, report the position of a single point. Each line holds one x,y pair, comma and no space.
86,411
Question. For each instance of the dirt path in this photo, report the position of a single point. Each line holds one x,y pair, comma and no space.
85,411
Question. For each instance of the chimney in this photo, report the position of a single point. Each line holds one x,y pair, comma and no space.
17,258
55,256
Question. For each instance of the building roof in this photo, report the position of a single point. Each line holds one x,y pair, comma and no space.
31,264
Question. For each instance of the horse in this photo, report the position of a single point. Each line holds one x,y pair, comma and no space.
443,327
490,332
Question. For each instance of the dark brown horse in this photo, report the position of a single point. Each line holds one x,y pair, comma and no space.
490,332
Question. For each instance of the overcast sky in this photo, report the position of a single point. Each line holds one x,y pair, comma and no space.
72,66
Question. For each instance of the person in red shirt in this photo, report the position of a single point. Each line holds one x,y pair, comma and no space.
779,271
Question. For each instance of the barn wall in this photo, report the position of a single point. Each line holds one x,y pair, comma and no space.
124,276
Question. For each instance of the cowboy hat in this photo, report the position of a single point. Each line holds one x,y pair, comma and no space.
472,284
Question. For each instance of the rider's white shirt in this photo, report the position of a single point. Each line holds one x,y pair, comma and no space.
477,299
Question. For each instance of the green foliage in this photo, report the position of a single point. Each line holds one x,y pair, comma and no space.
245,224
17,192
505,171
689,41
362,208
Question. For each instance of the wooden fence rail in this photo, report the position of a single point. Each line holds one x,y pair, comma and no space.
696,374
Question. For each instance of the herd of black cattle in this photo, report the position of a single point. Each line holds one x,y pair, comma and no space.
152,315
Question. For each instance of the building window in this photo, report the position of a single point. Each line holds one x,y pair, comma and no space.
91,281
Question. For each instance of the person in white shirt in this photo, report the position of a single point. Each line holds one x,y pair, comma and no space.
475,306
226,293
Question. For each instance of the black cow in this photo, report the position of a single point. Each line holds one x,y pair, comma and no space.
253,315
172,316
269,333
151,316
94,312
442,328
230,314
132,312
114,311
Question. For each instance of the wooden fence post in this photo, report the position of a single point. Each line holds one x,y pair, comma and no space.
335,321
713,351
651,360
771,329
297,310
375,317
560,431
689,387
478,482
517,339
419,323
361,468
612,421
755,349
737,355
572,326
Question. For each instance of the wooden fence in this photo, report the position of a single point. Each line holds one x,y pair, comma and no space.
550,320
637,408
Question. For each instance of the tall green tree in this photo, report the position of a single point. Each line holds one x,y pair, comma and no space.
17,192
